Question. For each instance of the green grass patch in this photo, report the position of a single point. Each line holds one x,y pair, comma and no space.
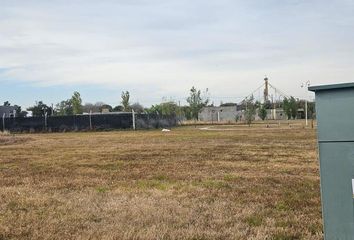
161,177
5,166
281,206
39,166
102,189
231,177
255,220
153,184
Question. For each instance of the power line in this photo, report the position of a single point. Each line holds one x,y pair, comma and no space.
279,91
252,93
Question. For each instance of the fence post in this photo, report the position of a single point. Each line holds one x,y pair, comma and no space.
157,119
90,120
45,121
3,122
133,115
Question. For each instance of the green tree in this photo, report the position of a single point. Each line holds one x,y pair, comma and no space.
154,109
258,104
311,109
290,107
76,102
186,111
250,111
196,102
64,108
40,109
18,109
106,107
19,112
97,107
125,100
137,107
262,112
294,107
287,108
118,108
170,109
165,109
268,105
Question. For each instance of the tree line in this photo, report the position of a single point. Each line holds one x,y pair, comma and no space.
74,105
289,105
196,101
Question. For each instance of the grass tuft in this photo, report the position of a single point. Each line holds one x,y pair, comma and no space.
102,189
254,221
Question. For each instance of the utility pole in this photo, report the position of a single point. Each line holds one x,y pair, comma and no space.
306,85
266,90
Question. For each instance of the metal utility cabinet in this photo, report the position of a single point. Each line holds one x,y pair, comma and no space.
335,120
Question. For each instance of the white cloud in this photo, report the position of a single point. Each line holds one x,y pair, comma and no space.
227,46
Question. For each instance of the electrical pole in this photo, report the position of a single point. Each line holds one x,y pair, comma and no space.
266,90
306,84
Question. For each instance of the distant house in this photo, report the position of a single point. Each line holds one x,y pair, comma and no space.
218,114
275,114
233,113
279,114
7,111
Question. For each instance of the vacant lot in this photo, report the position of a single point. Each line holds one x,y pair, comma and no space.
236,183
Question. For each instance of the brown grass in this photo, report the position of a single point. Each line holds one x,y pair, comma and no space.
6,138
251,183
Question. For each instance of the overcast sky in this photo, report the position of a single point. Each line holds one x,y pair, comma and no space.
161,48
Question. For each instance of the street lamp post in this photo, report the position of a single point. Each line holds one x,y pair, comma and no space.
306,84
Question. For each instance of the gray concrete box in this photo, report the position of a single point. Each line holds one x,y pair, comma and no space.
335,120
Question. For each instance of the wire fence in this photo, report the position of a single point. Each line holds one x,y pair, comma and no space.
87,122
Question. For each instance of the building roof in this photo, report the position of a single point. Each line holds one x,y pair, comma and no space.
331,87
218,107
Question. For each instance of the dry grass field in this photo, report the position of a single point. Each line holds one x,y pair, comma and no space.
236,183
